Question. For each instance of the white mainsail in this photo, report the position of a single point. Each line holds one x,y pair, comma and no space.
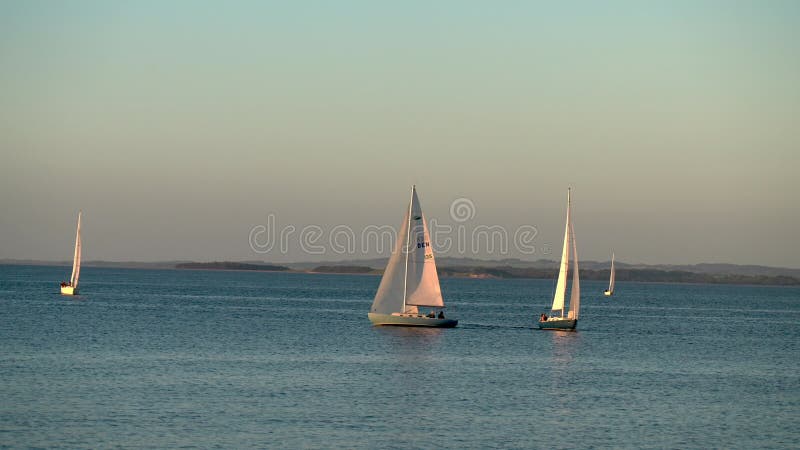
561,284
563,272
611,280
76,259
410,279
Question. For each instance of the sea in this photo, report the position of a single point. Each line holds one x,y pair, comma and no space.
227,359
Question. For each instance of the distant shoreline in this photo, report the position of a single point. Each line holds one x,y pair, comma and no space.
478,272
229,265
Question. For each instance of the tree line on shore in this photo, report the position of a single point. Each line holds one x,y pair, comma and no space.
642,275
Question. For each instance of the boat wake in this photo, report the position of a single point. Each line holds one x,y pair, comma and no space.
484,326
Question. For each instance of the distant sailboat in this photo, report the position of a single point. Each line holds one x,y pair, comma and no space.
610,291
410,280
71,288
569,322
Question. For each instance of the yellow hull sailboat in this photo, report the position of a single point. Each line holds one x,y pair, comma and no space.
71,287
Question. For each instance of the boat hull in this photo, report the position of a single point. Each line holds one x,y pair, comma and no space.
410,320
69,290
558,324
607,293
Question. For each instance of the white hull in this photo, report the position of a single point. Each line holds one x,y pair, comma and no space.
411,320
69,290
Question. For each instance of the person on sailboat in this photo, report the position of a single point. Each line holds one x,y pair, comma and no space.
441,314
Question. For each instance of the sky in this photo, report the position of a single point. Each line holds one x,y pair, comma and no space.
190,130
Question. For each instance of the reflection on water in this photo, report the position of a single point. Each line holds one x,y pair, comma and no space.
411,348
415,340
565,344
414,366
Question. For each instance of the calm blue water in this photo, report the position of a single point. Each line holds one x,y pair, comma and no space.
235,359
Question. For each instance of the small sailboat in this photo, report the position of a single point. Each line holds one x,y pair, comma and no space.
71,288
610,291
410,280
568,322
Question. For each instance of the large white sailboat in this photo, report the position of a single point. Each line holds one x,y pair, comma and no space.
410,280
560,321
610,291
71,287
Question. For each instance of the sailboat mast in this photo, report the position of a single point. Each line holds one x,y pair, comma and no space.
568,238
408,248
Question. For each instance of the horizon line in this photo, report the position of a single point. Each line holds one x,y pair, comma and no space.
172,261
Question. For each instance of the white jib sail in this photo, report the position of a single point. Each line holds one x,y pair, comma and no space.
76,259
561,284
410,279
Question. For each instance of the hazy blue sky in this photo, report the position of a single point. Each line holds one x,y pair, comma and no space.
179,126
